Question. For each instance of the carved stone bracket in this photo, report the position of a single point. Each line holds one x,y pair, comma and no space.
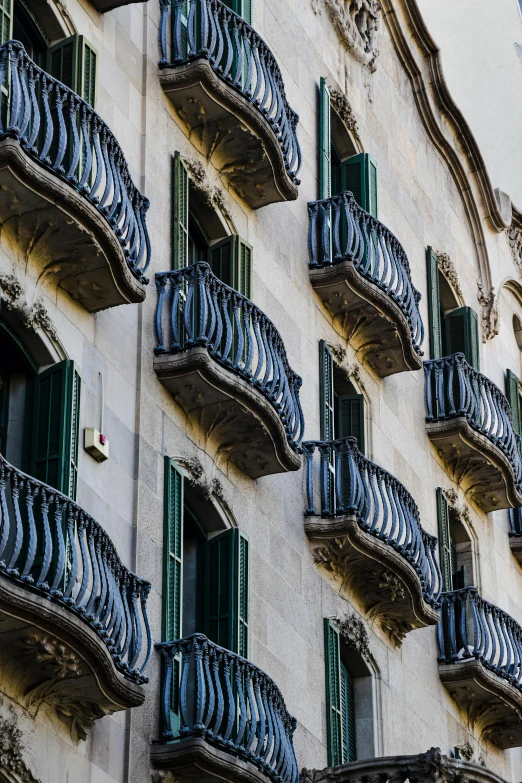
449,270
343,107
356,23
354,634
11,748
514,237
489,320
33,317
214,195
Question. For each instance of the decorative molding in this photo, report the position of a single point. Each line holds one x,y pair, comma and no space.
466,751
343,107
489,319
514,238
77,714
449,270
356,23
354,634
461,510
339,352
34,317
52,654
214,195
11,748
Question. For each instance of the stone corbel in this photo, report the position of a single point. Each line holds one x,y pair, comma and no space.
489,318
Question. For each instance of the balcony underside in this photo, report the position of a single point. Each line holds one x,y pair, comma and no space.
69,243
195,760
54,663
230,131
474,462
370,319
380,578
236,418
492,705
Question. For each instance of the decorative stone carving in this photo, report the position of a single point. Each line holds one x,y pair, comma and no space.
449,270
10,290
461,510
356,23
11,749
354,634
76,713
514,237
489,320
466,751
195,469
52,654
214,195
339,352
343,107
34,317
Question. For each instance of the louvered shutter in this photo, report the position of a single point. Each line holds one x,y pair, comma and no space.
350,418
226,590
242,268
87,71
462,334
446,556
55,427
359,175
220,259
325,142
326,391
513,395
347,716
180,207
6,20
334,726
63,60
241,7
434,304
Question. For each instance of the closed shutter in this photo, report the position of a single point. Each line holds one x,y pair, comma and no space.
347,715
334,721
513,395
462,334
55,427
446,555
325,142
6,20
180,208
350,418
226,596
434,304
359,175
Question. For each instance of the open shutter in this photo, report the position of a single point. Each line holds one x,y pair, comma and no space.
462,334
334,721
434,304
220,259
180,207
513,395
359,175
63,60
347,715
87,71
446,556
55,420
226,591
242,267
326,391
6,20
350,418
325,142
241,7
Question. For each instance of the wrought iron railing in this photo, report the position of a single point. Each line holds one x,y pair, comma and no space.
455,389
196,308
349,484
471,627
239,56
51,546
228,701
65,135
340,230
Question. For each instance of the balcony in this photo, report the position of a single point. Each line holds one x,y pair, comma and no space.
515,532
362,274
367,534
226,87
233,723
422,768
225,363
73,620
480,663
469,422
67,200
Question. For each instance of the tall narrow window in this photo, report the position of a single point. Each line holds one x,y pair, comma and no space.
455,547
341,406
74,62
340,701
231,260
180,208
513,395
359,175
461,333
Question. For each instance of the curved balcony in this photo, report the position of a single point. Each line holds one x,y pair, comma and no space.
66,192
225,363
422,768
469,421
480,663
361,272
233,722
368,535
226,87
73,619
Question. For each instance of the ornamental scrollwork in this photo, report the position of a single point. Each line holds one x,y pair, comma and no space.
514,238
357,23
354,634
35,317
214,196
489,318
343,107
449,270
11,748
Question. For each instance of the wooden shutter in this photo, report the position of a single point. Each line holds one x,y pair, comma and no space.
6,20
231,260
350,418
325,141
55,427
180,207
220,259
434,304
359,175
241,7
462,334
226,597
513,395
87,71
332,653
347,715
63,61
446,556
326,391
172,552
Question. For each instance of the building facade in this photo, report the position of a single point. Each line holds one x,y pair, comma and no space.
260,467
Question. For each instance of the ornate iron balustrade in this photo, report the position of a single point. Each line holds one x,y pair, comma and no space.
454,389
239,56
57,128
340,230
198,309
228,701
381,505
471,627
49,545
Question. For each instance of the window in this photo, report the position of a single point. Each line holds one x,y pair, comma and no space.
456,549
342,407
517,329
241,7
452,328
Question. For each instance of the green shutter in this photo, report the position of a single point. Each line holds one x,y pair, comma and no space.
172,552
242,268
325,142
220,257
63,61
180,207
6,20
434,304
334,726
326,391
359,175
350,418
55,427
513,395
347,715
4,410
447,557
87,71
226,590
462,334
241,7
